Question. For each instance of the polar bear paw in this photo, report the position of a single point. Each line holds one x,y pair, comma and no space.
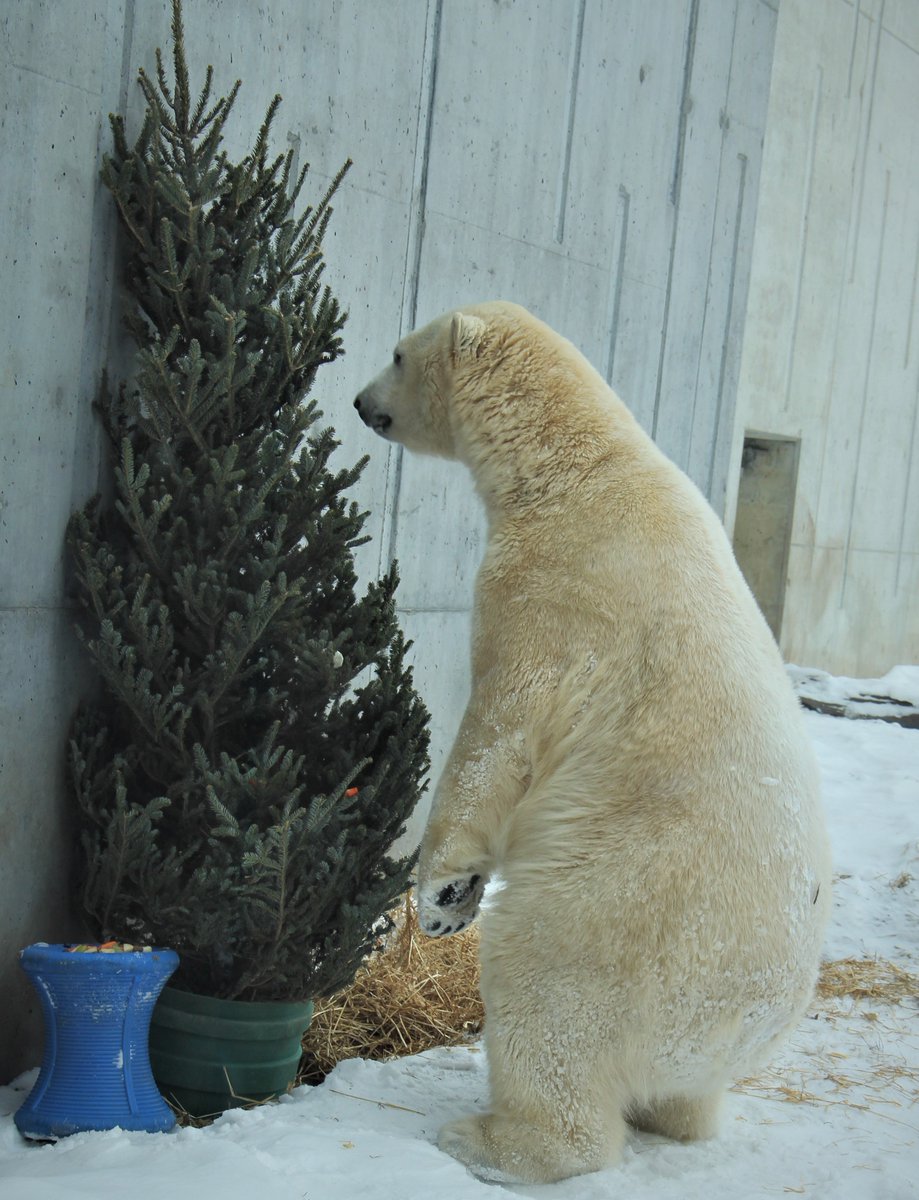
464,1140
448,905
505,1149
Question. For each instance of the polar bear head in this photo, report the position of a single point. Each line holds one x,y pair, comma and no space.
465,371
494,387
412,400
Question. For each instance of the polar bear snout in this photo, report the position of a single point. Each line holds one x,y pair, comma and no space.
379,422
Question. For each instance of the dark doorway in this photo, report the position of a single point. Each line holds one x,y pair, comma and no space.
762,528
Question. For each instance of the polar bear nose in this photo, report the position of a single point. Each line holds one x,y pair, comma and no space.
378,422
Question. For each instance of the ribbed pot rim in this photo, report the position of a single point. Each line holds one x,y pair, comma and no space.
197,1002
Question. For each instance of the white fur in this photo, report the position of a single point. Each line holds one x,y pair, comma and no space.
632,761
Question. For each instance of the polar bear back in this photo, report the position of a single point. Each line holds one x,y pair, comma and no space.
671,771
632,761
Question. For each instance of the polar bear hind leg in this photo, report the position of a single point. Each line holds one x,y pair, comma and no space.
554,1129
556,1104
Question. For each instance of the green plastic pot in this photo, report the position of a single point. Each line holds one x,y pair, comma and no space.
209,1054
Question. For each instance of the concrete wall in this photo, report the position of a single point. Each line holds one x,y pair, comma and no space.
596,160
617,200
831,347
60,75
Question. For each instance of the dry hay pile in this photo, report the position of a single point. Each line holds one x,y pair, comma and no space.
866,979
417,993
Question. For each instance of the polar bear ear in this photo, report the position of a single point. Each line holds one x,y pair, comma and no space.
467,334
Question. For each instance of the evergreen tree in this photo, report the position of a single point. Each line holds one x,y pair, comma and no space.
245,691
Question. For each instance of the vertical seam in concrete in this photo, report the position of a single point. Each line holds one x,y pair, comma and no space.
803,224
412,274
724,123
127,47
827,422
98,331
867,137
688,60
865,387
616,281
127,50
294,142
855,20
675,190
904,512
907,349
422,164
391,503
574,73
726,340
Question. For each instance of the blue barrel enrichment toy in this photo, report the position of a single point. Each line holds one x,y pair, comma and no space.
95,1073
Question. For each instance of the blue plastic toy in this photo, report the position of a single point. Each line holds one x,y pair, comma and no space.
95,1072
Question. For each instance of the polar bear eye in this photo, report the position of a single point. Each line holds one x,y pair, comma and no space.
397,358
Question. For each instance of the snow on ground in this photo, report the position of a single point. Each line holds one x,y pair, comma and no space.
836,1117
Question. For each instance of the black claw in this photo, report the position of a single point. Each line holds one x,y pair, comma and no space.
434,926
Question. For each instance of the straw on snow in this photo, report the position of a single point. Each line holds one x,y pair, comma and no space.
866,979
417,993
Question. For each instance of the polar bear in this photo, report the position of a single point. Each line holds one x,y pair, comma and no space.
631,765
